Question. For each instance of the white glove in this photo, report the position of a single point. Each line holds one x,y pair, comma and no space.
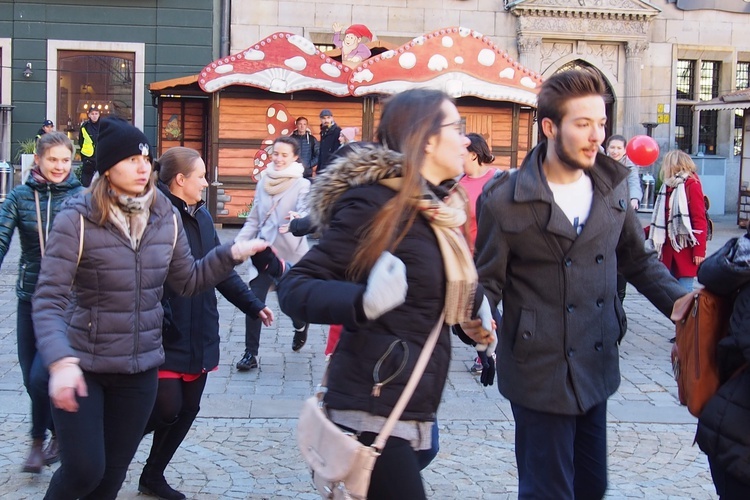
386,286
65,381
485,314
243,250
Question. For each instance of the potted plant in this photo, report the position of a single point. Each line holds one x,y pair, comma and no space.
26,149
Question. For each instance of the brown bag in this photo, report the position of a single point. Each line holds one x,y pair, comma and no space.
702,321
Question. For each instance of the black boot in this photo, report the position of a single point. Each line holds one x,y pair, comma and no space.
300,337
158,487
52,451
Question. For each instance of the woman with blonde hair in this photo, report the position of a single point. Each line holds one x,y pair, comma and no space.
391,259
98,315
678,224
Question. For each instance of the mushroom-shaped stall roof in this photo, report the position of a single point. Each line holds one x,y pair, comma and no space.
282,62
459,61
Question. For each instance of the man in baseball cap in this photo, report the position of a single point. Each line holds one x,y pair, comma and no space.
329,139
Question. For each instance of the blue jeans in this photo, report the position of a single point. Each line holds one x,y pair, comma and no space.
686,283
561,457
35,375
98,442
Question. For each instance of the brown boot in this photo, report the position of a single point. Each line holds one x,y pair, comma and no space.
52,451
35,460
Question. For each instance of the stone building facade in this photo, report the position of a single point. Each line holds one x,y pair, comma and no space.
659,58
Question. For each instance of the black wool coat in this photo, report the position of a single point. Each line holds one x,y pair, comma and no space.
191,324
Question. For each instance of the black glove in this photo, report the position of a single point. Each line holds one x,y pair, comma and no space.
488,367
459,332
267,262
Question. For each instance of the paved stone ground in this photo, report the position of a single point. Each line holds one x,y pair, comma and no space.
243,443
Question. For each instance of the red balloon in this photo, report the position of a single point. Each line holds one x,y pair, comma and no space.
642,150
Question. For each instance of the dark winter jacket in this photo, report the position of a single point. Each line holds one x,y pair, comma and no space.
191,324
19,211
308,151
562,320
343,201
329,143
107,310
724,425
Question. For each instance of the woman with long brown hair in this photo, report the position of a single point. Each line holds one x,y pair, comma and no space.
391,260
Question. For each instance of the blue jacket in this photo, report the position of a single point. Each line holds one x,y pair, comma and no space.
19,211
308,151
191,324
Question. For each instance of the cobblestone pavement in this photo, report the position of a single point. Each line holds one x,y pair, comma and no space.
243,443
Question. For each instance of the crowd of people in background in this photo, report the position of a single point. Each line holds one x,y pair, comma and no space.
417,228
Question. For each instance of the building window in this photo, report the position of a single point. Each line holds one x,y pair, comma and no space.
742,81
98,80
707,85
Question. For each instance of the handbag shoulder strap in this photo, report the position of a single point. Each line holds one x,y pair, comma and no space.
411,386
39,222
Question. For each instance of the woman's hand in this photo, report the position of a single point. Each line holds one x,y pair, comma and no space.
266,316
243,250
65,382
284,228
698,260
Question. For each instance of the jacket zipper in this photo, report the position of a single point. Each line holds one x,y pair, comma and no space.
697,338
137,306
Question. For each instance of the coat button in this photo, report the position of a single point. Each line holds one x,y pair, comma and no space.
570,308
571,351
568,262
599,259
526,335
599,302
598,346
622,204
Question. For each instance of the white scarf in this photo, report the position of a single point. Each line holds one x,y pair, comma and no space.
677,228
278,181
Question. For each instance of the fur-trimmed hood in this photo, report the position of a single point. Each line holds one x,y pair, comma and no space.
362,165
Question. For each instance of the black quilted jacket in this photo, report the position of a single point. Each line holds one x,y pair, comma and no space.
723,425
19,211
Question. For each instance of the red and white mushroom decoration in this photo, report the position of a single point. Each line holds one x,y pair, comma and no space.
279,123
282,62
460,61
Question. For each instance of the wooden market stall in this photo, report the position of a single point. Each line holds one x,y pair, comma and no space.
233,110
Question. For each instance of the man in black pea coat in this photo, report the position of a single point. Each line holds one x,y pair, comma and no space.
329,139
552,237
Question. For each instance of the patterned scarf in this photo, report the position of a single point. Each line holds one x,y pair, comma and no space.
447,219
677,228
130,214
278,181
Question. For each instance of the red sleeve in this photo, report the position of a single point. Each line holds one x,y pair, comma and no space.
697,211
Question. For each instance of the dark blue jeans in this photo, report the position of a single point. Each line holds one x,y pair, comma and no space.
98,442
561,456
260,286
727,486
35,375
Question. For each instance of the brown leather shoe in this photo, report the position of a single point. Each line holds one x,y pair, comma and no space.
35,461
52,451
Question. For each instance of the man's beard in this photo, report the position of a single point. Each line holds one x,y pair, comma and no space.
567,160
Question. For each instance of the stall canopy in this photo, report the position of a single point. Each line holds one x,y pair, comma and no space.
460,61
739,99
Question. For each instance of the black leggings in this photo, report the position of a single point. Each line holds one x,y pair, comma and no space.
98,442
177,405
396,472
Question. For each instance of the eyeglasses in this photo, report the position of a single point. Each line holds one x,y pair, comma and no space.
459,126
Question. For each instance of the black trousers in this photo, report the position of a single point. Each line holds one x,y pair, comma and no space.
396,473
260,287
177,405
35,374
98,442
561,456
